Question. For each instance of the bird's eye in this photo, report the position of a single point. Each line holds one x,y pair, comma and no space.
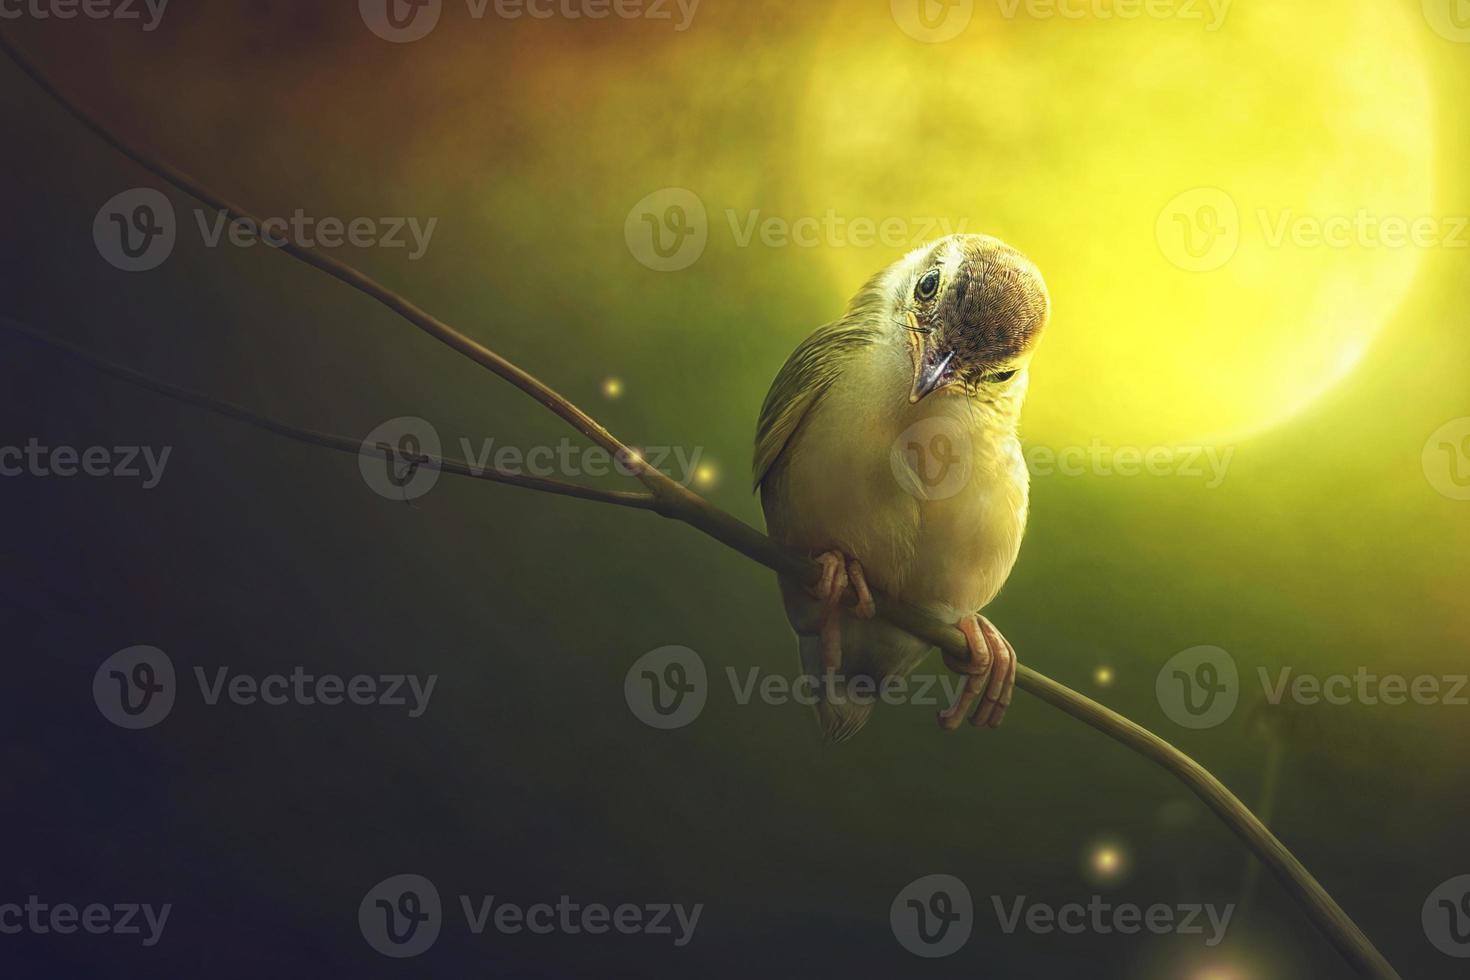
928,286
1000,376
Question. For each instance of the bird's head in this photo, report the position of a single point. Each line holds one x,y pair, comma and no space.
972,309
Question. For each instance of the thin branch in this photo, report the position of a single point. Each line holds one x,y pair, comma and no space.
672,500
434,327
620,498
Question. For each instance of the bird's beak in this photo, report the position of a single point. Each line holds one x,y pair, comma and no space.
931,368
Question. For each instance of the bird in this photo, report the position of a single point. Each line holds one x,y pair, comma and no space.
888,450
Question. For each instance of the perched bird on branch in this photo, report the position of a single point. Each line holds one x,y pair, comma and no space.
888,449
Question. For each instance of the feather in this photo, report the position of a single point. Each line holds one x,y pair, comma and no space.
805,377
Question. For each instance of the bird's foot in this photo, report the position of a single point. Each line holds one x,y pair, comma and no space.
839,572
990,676
865,608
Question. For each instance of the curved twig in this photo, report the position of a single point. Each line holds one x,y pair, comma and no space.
670,499
619,498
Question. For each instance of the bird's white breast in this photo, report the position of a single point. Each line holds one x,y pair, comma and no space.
848,480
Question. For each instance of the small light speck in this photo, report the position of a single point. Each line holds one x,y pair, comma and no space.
1106,862
706,475
1103,676
612,388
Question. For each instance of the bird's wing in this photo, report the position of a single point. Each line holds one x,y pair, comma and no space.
805,376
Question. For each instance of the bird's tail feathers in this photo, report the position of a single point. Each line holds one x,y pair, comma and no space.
838,712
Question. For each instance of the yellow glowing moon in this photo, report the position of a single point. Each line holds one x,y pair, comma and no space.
1172,182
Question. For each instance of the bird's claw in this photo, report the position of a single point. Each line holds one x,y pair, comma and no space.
833,583
865,608
838,573
990,676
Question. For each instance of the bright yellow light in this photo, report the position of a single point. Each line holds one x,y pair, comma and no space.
1219,973
706,475
1181,314
1106,862
1103,676
612,388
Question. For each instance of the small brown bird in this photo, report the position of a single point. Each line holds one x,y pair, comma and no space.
888,449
